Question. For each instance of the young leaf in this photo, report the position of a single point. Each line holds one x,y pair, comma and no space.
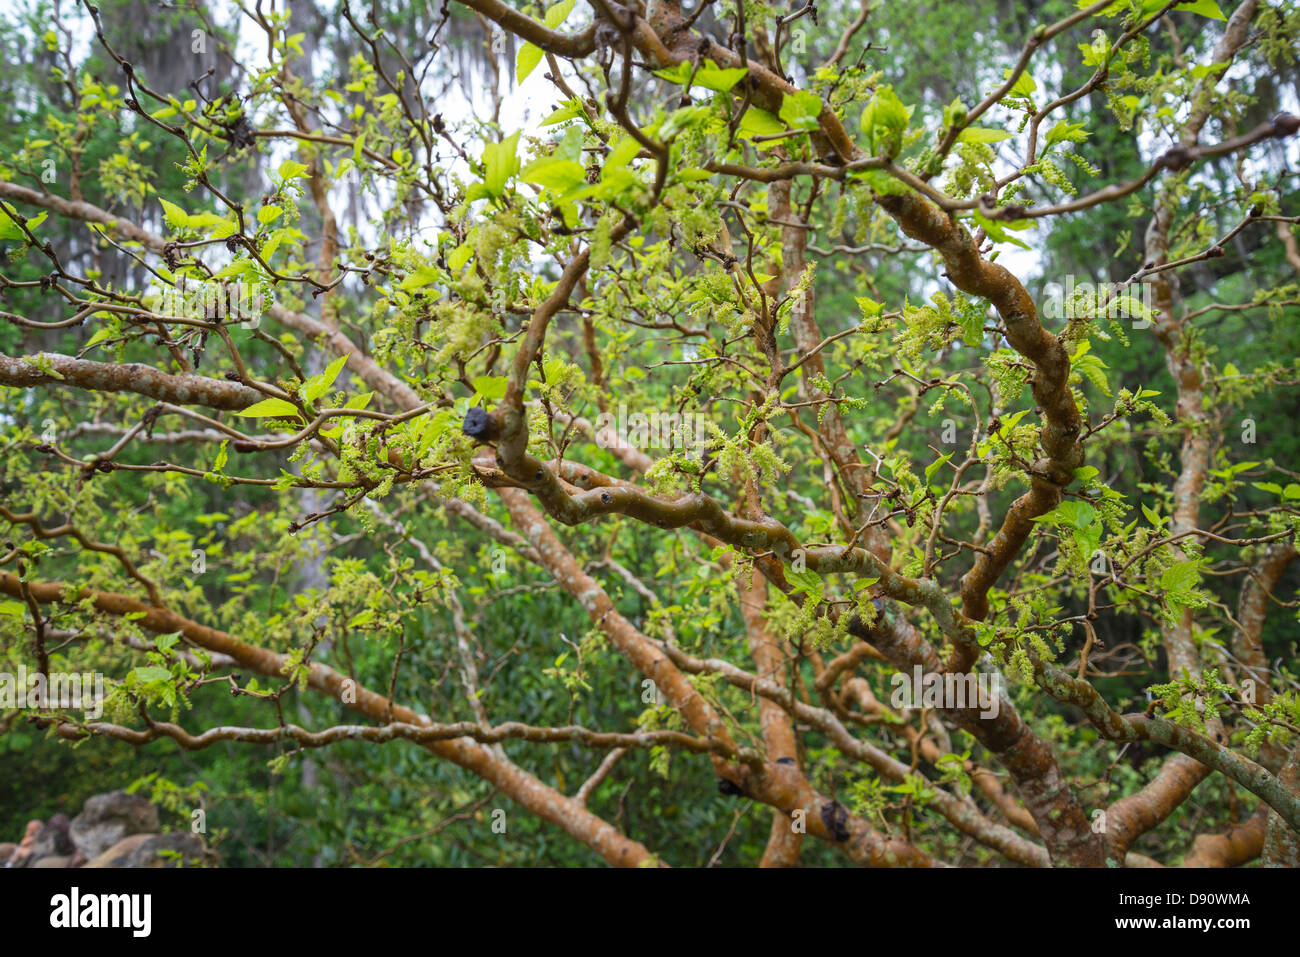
490,387
176,217
1070,514
500,162
319,384
978,134
800,110
807,581
526,60
556,16
270,407
935,466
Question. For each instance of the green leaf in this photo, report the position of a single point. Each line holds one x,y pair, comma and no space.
1024,85
713,77
500,162
756,120
978,134
884,121
43,362
176,217
319,384
10,229
1093,369
1096,52
1070,514
292,169
570,145
566,112
708,75
954,113
996,229
807,581
269,214
526,61
1205,8
935,466
239,267
759,122
423,276
1065,132
558,14
219,226
490,387
683,118
623,152
1201,71
800,110
270,407
459,256
1088,539
151,673
868,306
434,425
554,173
1153,517
971,321
99,336
1182,577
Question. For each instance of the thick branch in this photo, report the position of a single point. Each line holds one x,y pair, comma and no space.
130,377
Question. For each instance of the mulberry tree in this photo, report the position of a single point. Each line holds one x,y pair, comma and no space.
846,433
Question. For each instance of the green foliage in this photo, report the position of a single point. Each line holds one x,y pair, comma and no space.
344,542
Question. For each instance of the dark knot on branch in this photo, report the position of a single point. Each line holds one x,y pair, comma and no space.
1285,124
480,425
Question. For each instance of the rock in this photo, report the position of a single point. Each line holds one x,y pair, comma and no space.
153,850
108,818
160,850
51,840
22,856
52,862
7,851
116,855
